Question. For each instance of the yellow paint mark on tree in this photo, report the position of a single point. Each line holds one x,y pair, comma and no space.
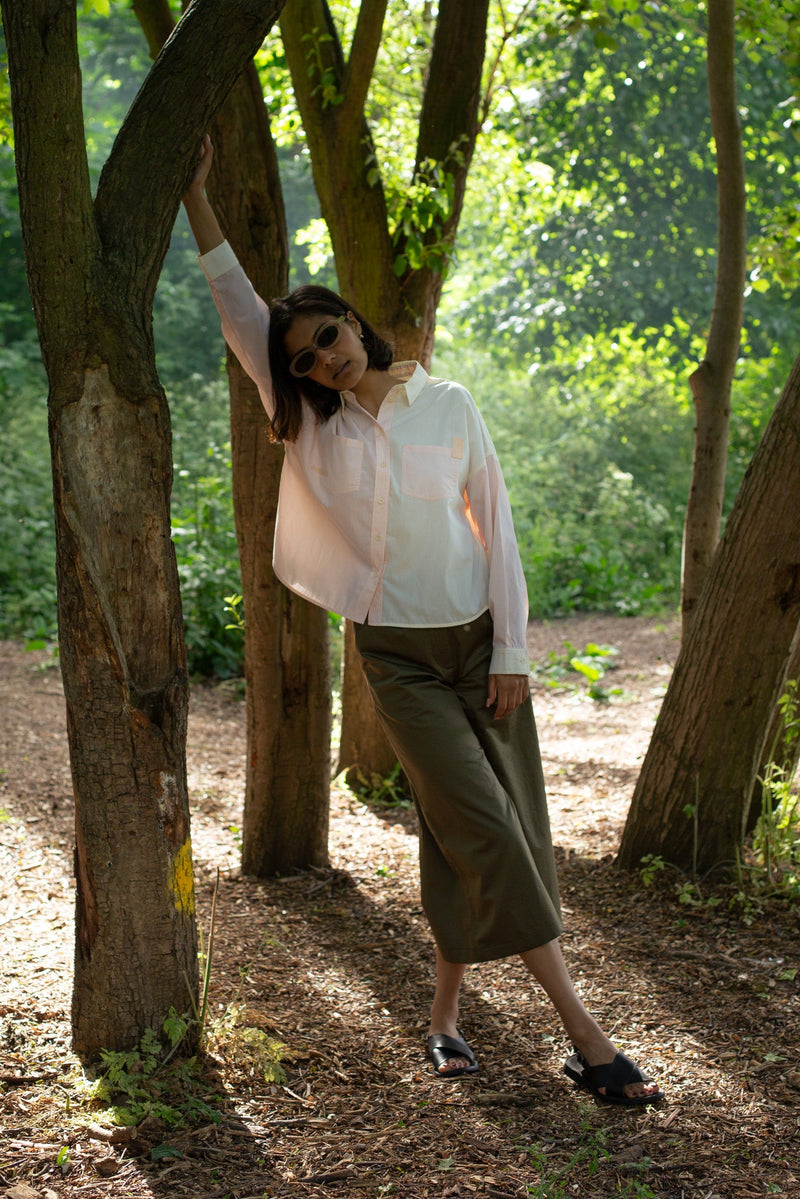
182,880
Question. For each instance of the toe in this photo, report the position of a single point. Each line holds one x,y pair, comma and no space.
452,1064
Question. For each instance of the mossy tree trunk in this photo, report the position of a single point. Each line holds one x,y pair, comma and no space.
92,269
393,275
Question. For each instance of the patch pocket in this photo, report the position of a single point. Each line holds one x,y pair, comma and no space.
338,463
430,472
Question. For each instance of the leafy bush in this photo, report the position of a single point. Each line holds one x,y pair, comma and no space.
203,529
596,454
27,538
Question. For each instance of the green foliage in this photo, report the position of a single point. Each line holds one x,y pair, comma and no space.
379,792
607,214
596,458
326,88
27,555
574,334
590,664
424,208
562,1179
150,1080
776,840
250,1050
6,135
203,531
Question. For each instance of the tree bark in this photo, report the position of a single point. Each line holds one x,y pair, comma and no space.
92,273
711,381
331,93
691,801
287,673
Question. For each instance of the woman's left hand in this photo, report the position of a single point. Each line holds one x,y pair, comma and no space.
507,692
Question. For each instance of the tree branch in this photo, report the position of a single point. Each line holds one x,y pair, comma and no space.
726,319
363,53
156,146
55,203
448,120
157,22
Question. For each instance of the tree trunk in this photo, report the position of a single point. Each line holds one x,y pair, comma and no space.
287,664
331,92
287,673
691,800
92,271
365,755
711,382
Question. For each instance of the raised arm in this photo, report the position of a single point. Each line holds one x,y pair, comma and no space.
205,226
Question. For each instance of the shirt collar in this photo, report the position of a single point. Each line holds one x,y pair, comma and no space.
412,375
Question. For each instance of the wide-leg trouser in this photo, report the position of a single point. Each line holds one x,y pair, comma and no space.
487,871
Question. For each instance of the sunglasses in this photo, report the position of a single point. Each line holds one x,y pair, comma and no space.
325,337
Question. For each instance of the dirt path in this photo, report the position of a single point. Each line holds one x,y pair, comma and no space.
337,967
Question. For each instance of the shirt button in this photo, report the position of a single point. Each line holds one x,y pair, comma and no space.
380,500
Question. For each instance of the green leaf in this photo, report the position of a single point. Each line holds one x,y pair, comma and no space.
161,1152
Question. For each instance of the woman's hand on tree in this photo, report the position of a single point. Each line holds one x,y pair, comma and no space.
201,170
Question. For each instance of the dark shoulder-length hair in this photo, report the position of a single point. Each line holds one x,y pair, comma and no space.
288,391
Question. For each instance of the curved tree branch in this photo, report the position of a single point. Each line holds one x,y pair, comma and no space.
158,141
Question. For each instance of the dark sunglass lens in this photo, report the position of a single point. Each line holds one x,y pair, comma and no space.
328,336
303,362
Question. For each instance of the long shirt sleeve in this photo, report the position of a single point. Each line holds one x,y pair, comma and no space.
402,519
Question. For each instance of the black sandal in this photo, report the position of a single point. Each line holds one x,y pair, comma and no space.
442,1048
613,1077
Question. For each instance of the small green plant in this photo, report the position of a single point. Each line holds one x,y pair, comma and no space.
650,866
149,1080
326,88
389,792
554,1183
591,664
589,1156
233,606
252,1051
776,840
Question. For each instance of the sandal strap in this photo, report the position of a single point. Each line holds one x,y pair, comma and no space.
614,1076
442,1048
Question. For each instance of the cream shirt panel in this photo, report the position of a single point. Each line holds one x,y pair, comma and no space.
401,520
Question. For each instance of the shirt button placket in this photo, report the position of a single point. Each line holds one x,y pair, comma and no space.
381,498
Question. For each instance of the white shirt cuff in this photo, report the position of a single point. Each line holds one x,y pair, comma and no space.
507,660
217,261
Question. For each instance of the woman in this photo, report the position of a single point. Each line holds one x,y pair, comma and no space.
393,513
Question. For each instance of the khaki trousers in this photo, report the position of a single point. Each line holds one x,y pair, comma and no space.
487,872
